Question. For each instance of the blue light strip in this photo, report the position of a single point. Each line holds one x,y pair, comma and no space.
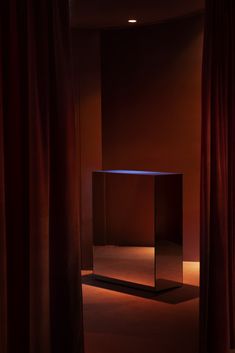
135,172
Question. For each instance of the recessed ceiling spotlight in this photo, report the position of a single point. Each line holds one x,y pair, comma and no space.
132,21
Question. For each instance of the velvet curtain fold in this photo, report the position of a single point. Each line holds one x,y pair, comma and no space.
40,287
217,303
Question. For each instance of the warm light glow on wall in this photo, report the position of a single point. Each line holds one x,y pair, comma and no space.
132,21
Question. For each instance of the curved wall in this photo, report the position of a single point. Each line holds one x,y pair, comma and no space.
151,90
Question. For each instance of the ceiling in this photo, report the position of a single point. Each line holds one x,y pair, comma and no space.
115,13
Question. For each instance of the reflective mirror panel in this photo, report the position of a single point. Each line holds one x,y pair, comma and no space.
124,227
169,229
134,242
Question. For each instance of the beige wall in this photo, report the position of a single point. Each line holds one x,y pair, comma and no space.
151,80
87,83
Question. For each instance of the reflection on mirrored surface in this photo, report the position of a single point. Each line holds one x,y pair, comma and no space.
169,262
125,263
137,228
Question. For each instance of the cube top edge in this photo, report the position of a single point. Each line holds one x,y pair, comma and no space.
134,172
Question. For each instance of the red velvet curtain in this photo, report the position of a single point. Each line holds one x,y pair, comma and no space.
217,306
40,289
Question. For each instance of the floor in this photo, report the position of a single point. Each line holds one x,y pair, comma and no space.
133,322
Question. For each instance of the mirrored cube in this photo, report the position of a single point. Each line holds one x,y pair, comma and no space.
137,228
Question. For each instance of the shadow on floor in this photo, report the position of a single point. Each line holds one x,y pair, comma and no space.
170,296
